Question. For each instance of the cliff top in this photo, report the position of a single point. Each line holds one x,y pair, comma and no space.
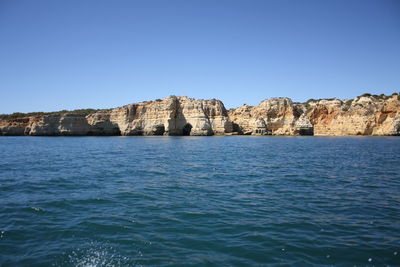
85,112
81,112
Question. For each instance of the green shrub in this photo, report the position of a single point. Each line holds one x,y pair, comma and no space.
366,95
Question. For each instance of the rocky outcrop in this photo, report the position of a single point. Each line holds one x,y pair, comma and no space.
60,124
170,116
278,116
364,115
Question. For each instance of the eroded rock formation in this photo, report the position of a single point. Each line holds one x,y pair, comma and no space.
170,116
278,116
364,115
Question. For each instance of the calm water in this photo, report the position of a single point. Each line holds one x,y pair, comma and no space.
169,201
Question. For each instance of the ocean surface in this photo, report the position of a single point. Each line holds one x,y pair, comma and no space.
201,201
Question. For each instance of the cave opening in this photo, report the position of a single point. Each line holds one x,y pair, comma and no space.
306,131
159,130
187,129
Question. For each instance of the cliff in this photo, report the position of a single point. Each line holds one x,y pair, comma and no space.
278,116
364,115
170,116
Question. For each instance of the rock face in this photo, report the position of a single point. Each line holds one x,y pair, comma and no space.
59,124
278,116
365,115
170,116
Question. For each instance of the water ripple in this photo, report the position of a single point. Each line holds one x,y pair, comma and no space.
219,201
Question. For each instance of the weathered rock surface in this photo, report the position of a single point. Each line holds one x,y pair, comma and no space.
277,116
170,116
365,115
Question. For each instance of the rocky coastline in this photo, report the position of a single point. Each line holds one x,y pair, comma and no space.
179,115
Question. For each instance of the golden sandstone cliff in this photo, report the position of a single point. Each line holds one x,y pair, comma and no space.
170,116
364,115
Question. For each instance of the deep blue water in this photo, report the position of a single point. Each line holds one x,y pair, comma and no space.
217,201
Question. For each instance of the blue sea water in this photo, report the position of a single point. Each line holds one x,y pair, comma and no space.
204,201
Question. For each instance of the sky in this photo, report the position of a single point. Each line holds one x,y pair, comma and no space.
74,54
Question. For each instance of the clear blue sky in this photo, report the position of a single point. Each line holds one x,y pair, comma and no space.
98,54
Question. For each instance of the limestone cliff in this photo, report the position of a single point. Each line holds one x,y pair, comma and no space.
170,116
364,115
278,116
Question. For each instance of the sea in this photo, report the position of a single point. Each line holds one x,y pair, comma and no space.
200,201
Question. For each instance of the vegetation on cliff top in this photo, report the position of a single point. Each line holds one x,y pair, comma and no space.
80,112
88,111
381,96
